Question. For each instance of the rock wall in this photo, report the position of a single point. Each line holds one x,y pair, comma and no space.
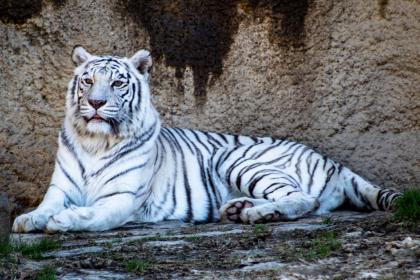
340,76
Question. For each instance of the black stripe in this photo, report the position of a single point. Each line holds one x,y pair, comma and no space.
263,152
340,168
354,185
138,93
125,172
173,139
68,176
309,161
130,103
236,140
184,139
73,85
159,157
291,180
199,140
65,194
187,186
223,157
98,62
291,146
127,68
205,182
112,194
187,189
267,193
174,154
250,167
212,138
330,172
66,142
359,195
325,159
288,162
216,191
237,162
132,145
289,193
125,93
311,177
221,135
203,174
379,199
255,139
254,181
298,162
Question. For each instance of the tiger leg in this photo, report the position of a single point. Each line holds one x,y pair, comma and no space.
273,196
105,214
365,195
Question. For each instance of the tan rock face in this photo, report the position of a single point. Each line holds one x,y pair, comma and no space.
340,76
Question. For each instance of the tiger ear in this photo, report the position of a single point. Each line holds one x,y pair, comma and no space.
142,61
79,55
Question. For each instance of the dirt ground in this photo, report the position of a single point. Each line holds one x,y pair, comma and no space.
344,245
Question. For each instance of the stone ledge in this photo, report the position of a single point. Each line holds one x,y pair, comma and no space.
370,247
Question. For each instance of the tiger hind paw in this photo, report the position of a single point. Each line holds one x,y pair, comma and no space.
235,210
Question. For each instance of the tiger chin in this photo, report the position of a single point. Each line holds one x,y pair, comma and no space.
115,164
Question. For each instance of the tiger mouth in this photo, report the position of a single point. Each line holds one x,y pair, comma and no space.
96,118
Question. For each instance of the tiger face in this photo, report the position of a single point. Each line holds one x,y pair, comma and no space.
108,96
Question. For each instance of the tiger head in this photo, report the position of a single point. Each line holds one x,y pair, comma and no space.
109,96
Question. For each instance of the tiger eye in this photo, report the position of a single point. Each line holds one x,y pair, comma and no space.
117,83
88,81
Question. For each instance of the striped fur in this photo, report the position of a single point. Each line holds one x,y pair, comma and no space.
116,164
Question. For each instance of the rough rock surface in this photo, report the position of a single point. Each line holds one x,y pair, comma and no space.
345,245
4,217
340,76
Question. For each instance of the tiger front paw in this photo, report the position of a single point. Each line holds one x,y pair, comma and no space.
71,219
59,223
29,222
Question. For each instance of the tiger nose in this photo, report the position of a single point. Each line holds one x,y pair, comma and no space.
96,104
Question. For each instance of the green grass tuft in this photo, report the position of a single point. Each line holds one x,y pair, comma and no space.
407,207
327,221
46,273
5,249
323,246
260,229
137,266
35,250
152,238
193,238
29,250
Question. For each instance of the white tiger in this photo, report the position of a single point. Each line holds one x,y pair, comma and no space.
116,164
